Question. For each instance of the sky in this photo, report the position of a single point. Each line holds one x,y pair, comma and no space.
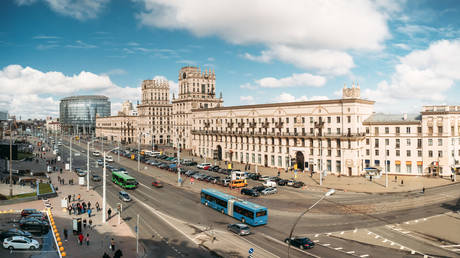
403,54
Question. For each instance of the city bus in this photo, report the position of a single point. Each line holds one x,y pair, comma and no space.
124,180
244,211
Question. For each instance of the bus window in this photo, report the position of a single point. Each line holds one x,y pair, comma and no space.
243,211
261,213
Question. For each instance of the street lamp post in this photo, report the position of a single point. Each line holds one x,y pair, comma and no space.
329,193
104,182
87,165
139,150
11,160
70,158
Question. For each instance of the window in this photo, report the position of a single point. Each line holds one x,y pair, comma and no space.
280,163
440,129
338,119
407,129
419,129
387,142
409,169
397,130
419,169
329,165
408,153
243,211
311,120
387,130
398,153
367,141
272,160
398,168
253,158
376,143
376,152
376,129
440,154
407,142
430,142
349,119
398,144
430,154
329,119
419,153
439,142
419,143
368,152
338,166
388,152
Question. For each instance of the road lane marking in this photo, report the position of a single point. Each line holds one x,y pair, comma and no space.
364,255
350,252
449,245
283,243
338,248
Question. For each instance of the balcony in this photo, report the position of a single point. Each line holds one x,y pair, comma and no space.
240,125
279,134
265,124
279,125
230,125
252,125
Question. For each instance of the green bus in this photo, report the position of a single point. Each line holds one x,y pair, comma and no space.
124,180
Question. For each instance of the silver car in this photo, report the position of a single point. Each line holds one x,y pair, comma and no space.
269,190
240,229
124,196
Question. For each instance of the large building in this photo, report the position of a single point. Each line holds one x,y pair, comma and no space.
342,136
77,114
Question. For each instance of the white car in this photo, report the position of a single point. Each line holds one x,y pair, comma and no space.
269,183
96,154
202,165
268,191
20,242
108,158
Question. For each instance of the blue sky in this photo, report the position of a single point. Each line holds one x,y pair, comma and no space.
404,54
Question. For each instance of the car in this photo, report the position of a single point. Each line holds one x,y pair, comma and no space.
157,183
190,173
95,178
214,168
215,179
124,196
253,176
34,225
206,167
14,232
298,184
81,173
96,154
224,181
164,166
239,228
27,212
290,182
269,183
300,242
258,188
269,190
20,242
250,192
40,216
202,165
283,182
264,178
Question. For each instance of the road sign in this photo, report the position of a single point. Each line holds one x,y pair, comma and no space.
251,250
135,229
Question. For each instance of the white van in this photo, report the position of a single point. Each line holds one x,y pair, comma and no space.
236,174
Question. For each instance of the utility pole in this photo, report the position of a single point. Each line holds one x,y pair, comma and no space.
178,167
70,166
11,160
137,234
104,182
386,170
118,152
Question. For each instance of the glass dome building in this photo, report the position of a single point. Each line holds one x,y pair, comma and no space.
77,114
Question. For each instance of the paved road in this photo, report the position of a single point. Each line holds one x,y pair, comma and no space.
186,207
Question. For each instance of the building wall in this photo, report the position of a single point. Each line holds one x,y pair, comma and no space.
328,134
155,112
196,90
123,129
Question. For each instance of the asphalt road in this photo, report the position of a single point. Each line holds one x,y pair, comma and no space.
185,205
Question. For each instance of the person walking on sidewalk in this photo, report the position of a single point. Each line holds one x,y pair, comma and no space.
70,209
90,222
78,197
109,212
65,234
84,223
97,206
87,239
89,213
80,238
118,254
112,244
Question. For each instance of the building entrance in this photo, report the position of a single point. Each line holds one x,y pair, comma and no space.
300,160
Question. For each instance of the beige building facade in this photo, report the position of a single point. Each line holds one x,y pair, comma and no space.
342,136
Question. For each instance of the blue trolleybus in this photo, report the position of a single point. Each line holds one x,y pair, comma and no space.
246,212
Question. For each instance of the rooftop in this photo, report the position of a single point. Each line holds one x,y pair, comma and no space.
393,118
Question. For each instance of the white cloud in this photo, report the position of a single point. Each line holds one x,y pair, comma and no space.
308,34
24,2
78,9
80,44
402,46
248,86
45,37
116,71
295,80
247,99
421,77
25,87
287,97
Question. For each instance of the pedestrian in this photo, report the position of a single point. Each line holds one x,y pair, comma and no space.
105,255
87,239
65,234
89,213
84,223
402,182
90,222
423,190
70,209
89,205
97,206
109,212
396,179
78,197
370,177
112,244
80,238
118,254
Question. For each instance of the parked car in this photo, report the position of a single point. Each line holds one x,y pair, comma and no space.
157,183
164,166
20,242
14,232
190,173
264,178
298,184
240,229
253,176
250,192
27,212
224,182
206,167
40,216
96,154
95,178
259,188
124,196
34,225
269,183
283,182
269,190
202,165
290,182
214,168
300,242
215,179
81,172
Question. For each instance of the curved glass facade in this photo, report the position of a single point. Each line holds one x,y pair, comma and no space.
78,113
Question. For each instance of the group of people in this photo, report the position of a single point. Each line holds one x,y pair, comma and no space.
79,208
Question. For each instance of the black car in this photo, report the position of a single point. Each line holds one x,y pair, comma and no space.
298,184
27,212
258,188
164,166
254,176
250,192
95,178
300,242
192,163
34,225
283,182
214,168
14,232
40,216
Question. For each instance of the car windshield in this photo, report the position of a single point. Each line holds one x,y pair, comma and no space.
244,227
125,195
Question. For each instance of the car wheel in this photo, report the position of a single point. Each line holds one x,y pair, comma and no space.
287,241
10,247
206,203
32,248
222,211
302,247
243,220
